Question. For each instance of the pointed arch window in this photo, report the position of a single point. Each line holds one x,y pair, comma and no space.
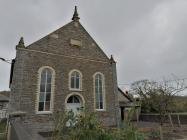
99,91
75,80
45,90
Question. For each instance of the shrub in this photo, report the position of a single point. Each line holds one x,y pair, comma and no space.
88,127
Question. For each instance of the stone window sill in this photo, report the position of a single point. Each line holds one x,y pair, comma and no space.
72,89
100,110
43,112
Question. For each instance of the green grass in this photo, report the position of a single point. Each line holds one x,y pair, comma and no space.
2,137
2,127
3,130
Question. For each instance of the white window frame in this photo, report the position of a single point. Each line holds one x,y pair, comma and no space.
80,80
75,94
103,93
52,91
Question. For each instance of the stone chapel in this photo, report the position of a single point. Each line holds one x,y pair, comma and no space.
65,70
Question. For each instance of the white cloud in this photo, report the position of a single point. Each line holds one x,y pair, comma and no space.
151,46
147,37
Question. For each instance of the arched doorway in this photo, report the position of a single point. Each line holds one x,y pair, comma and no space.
75,104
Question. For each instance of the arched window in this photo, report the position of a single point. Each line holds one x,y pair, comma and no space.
75,80
45,89
73,99
99,91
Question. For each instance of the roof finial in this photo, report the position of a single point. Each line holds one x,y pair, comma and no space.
21,43
112,59
75,15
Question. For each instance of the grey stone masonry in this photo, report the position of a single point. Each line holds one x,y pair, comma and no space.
68,48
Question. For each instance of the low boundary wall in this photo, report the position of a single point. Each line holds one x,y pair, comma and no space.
156,118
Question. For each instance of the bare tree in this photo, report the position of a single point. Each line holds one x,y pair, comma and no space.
158,96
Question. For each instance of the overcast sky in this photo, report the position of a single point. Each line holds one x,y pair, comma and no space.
148,38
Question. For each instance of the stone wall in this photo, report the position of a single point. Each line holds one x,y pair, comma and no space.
155,118
58,54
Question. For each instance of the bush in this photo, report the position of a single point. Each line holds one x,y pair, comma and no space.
154,134
88,127
128,131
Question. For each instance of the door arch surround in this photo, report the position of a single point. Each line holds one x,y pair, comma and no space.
71,105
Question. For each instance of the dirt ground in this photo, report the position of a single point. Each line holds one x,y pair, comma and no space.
152,131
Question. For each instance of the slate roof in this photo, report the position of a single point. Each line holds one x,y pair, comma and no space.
4,96
125,95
